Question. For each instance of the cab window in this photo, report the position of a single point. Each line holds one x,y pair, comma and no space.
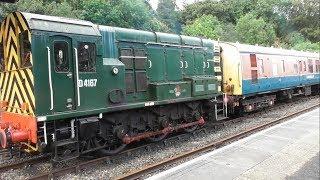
2,64
87,57
61,56
25,49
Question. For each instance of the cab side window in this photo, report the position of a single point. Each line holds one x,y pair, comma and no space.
25,49
87,57
2,64
61,56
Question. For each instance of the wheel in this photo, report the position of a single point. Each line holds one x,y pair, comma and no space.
190,129
109,147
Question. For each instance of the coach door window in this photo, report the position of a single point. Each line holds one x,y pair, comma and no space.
25,49
295,66
61,56
87,57
254,70
300,66
310,66
317,66
2,64
261,66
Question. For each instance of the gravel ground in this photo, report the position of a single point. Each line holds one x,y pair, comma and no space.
155,153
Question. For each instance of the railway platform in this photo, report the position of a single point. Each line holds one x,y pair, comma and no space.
289,150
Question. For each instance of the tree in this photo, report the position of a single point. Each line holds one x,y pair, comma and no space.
215,8
121,13
304,16
307,46
206,26
54,8
253,30
168,15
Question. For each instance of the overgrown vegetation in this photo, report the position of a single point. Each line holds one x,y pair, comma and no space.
280,23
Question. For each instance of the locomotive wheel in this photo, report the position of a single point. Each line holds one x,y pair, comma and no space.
189,120
190,129
109,148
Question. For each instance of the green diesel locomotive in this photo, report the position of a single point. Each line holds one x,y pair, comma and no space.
73,87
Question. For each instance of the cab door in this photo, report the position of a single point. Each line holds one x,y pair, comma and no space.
62,75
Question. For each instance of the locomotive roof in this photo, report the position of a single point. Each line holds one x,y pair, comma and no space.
245,48
60,24
133,35
75,26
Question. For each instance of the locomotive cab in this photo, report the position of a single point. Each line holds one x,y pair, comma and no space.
40,51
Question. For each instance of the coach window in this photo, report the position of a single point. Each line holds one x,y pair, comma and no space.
61,56
304,66
87,57
295,66
25,49
283,66
2,64
310,66
300,66
317,66
261,66
253,60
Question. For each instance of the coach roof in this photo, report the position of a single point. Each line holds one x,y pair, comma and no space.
244,48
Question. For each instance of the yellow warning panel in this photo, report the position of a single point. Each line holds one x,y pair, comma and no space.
232,71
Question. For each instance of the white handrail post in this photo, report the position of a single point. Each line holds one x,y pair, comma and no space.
50,79
77,76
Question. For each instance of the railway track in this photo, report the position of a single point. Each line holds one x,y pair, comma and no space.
57,172
149,169
23,163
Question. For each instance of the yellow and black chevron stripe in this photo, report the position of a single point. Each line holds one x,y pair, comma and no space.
16,84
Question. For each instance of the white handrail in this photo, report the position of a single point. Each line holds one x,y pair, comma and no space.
77,76
50,79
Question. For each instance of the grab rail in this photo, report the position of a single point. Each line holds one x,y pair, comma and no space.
50,79
77,76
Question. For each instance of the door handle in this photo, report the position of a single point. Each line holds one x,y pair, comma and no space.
69,75
150,63
181,64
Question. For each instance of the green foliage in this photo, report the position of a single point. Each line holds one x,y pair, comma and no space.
215,8
168,15
307,46
253,30
304,16
53,8
285,23
280,17
205,26
296,40
229,33
122,13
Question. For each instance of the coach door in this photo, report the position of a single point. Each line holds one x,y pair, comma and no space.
62,90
